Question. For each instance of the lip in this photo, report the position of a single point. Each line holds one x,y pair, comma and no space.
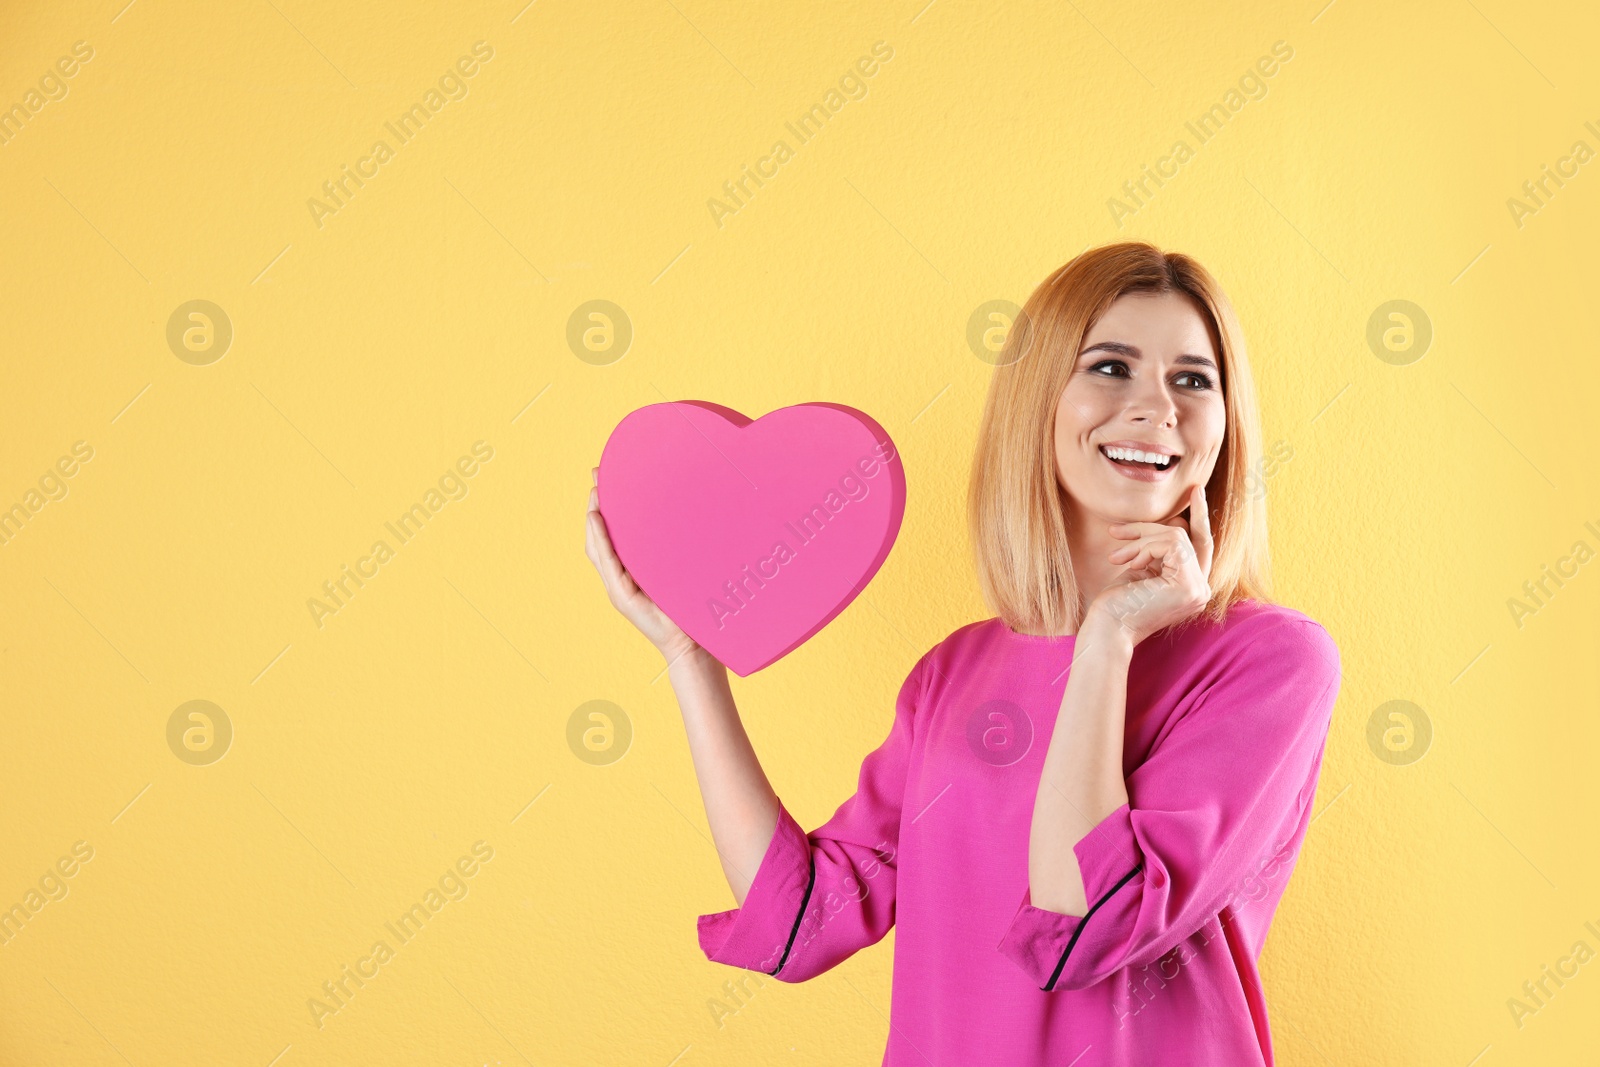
1140,474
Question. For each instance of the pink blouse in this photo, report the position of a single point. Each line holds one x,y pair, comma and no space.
1225,732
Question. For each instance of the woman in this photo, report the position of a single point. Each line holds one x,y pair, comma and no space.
1087,807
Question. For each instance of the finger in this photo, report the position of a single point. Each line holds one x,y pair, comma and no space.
611,570
1173,554
1134,530
1200,529
588,528
1130,552
620,586
1155,532
1138,564
1146,549
1148,570
591,541
1127,552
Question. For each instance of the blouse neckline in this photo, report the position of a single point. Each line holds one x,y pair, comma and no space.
1034,638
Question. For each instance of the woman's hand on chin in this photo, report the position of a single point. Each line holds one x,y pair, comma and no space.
1166,579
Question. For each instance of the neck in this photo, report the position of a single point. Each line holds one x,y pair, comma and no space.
1089,541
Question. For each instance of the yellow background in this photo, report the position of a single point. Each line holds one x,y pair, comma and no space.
368,354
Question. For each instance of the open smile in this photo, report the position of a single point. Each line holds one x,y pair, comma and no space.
1145,464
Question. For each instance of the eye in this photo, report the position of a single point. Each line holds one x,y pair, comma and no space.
1116,363
1203,382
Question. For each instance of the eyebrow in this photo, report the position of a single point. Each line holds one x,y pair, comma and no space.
1125,349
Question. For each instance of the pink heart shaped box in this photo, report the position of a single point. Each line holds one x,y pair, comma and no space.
751,536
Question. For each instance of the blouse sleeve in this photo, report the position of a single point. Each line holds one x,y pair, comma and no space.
816,899
1211,800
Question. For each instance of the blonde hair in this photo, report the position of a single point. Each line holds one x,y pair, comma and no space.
1014,510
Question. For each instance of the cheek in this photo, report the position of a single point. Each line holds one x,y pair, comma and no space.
1070,429
1077,413
1077,416
1208,428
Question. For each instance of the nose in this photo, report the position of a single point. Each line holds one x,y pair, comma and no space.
1152,403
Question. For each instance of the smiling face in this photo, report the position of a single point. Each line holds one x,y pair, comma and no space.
1141,420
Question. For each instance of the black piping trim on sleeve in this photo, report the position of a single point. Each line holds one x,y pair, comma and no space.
1050,985
811,880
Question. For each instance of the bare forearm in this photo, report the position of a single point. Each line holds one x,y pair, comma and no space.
740,804
1082,781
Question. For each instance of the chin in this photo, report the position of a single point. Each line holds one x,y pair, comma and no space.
1141,515
1145,509
1120,504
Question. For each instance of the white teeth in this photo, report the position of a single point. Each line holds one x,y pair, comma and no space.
1161,462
